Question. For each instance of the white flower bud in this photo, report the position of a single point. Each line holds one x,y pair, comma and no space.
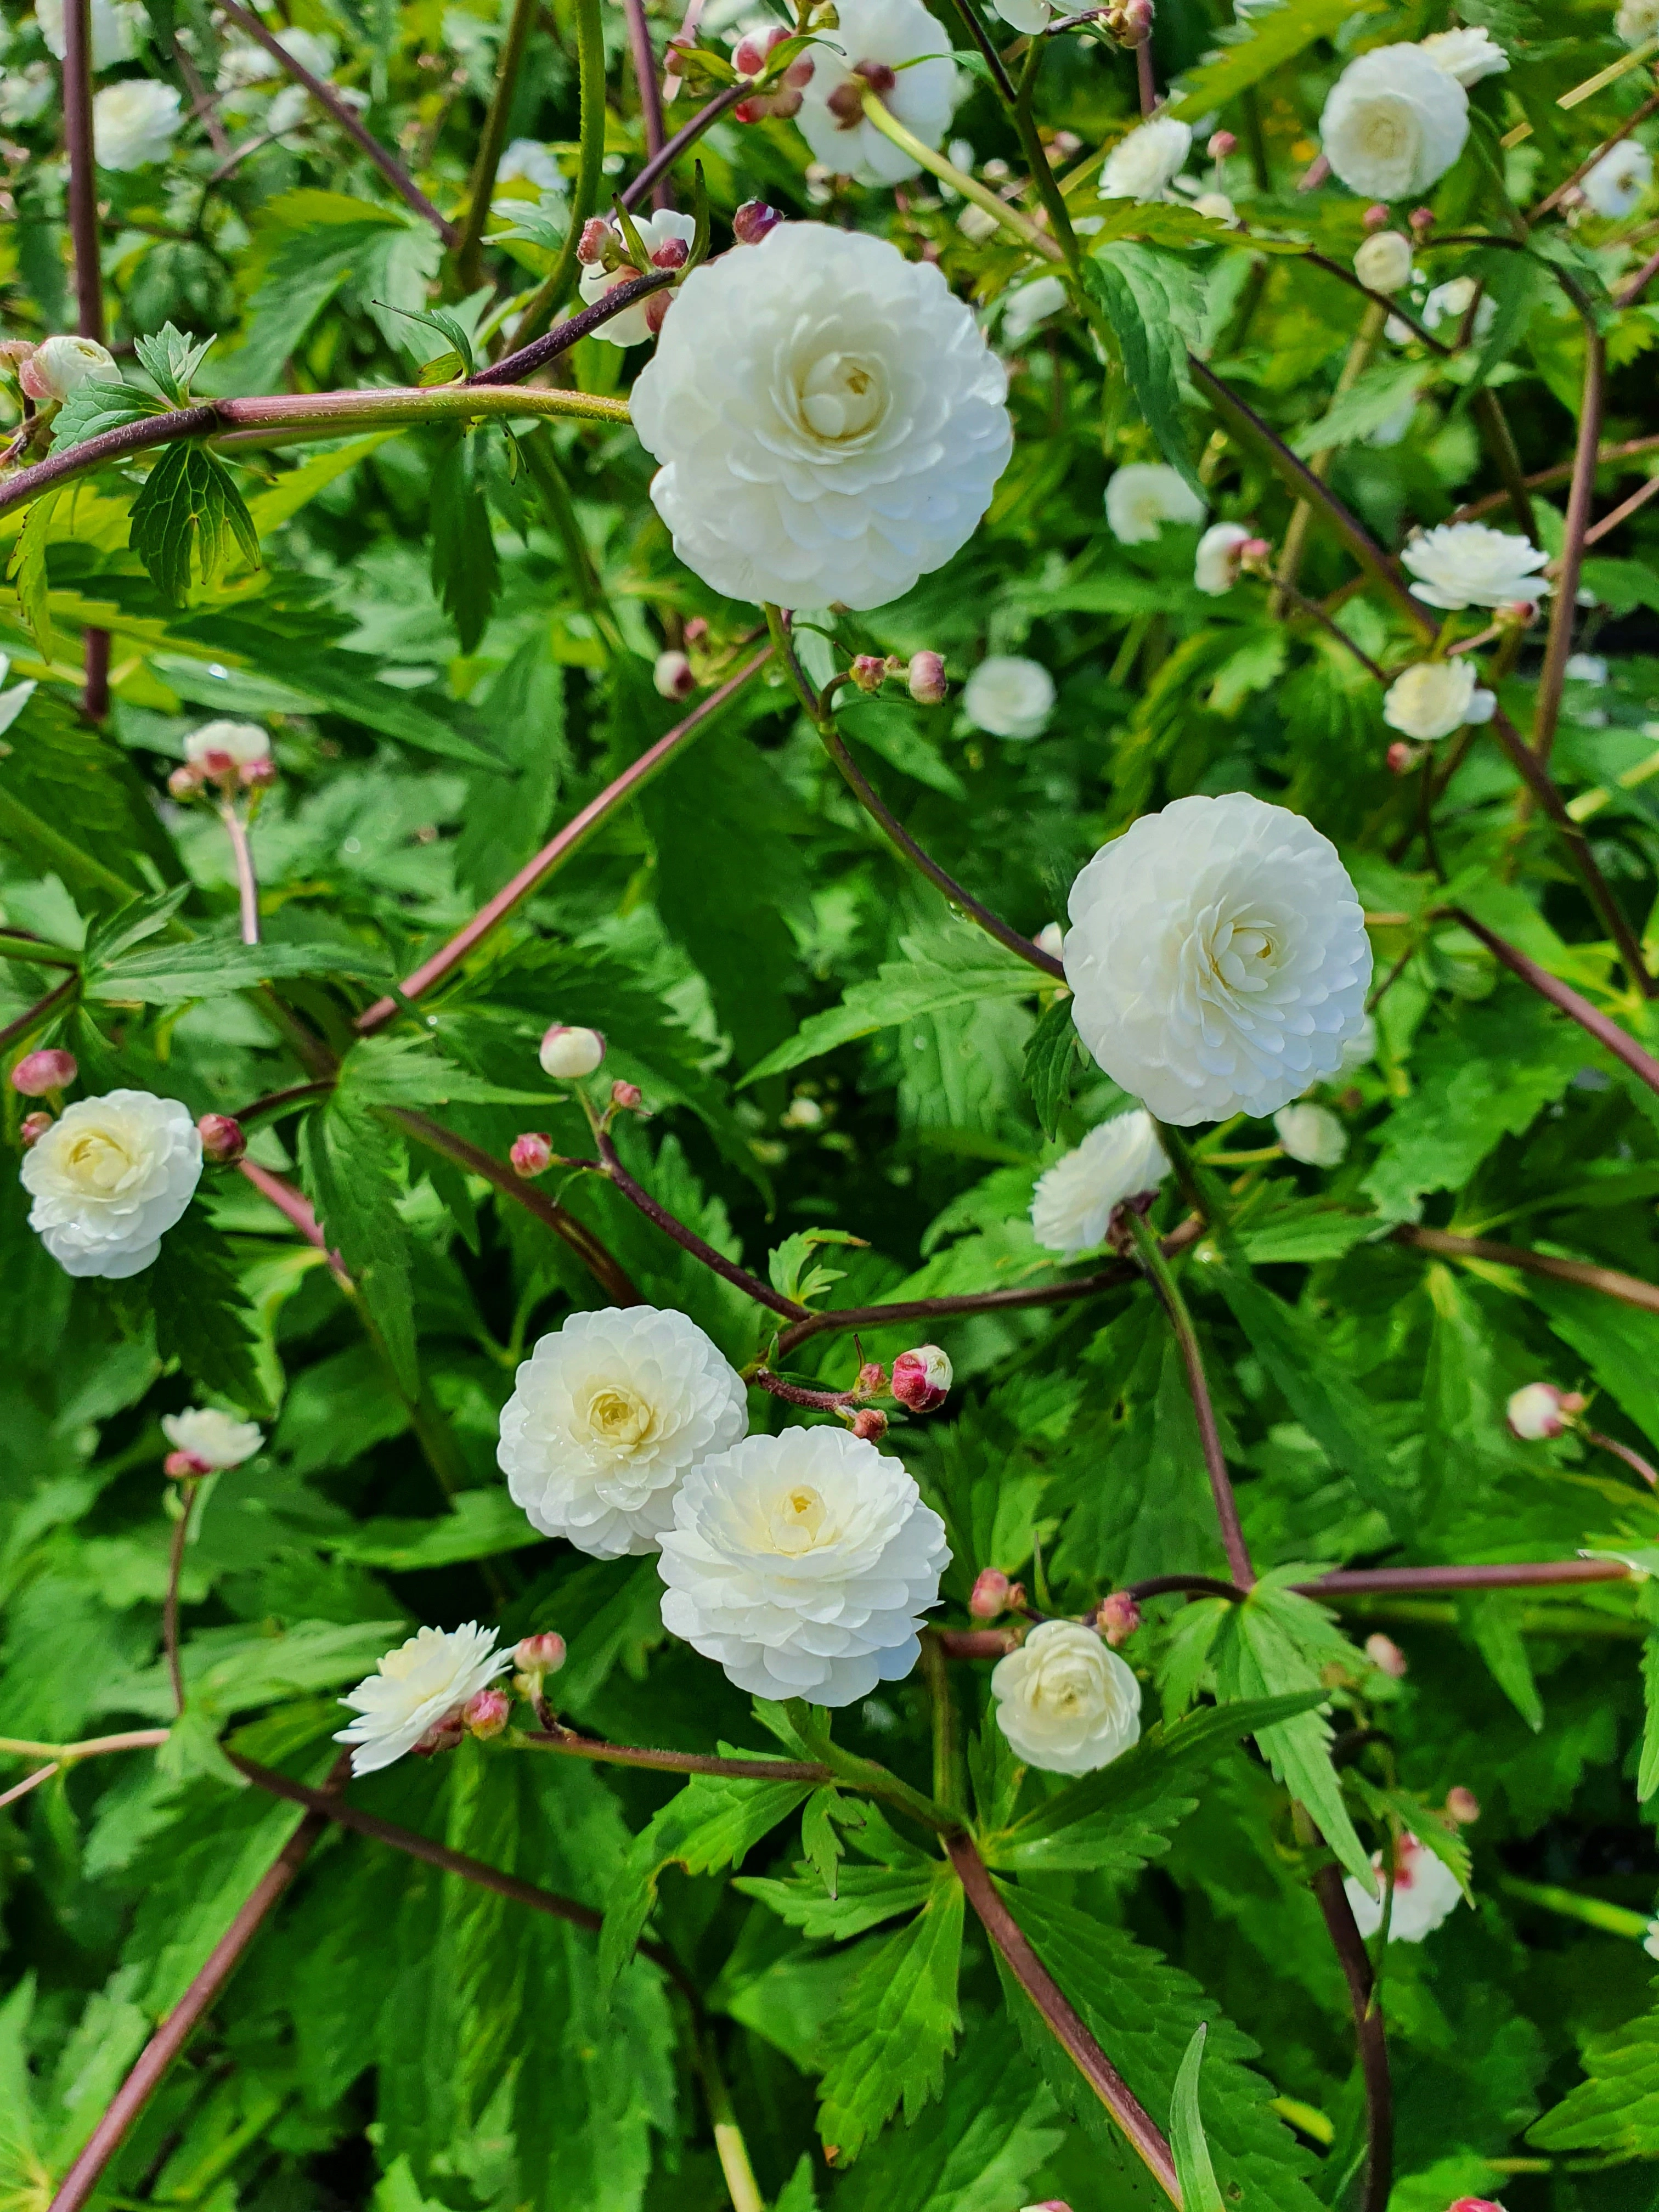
62,365
1010,696
1311,1135
1435,697
1384,261
569,1054
422,1688
1065,1702
217,746
1539,1411
673,676
1220,551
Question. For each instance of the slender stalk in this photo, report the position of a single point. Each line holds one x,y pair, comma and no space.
730,2148
29,1782
682,142
574,834
925,157
1631,290
1036,158
969,18
571,1746
1185,1586
1622,513
325,96
248,884
750,1286
1591,1912
1356,1965
650,91
1175,1307
1632,1460
545,302
92,1747
1050,2000
976,1643
276,1103
1499,442
1389,304
1540,480
947,1765
88,265
1146,82
468,247
1565,607
170,1602
512,367
33,951
1619,1041
1608,1281
1544,1574
549,479
42,1011
1359,354
169,2040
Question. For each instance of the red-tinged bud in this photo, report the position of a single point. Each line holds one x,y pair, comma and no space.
540,1655
873,1379
626,1097
672,677
927,681
1539,1411
673,253
1386,1655
1376,217
596,236
697,628
222,1141
1402,757
183,783
869,1423
1520,613
921,1378
38,1074
1422,221
1252,553
750,54
1117,1617
1474,2204
878,76
567,1052
1049,2204
1221,143
257,774
869,671
1135,26
217,761
487,1714
1463,1805
184,1466
846,104
34,1127
532,1154
799,72
991,1592
656,311
443,1735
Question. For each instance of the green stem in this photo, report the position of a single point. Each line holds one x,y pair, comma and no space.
1296,537
469,253
549,479
1613,1919
947,1780
32,953
733,2151
1038,161
877,1781
546,303
1022,227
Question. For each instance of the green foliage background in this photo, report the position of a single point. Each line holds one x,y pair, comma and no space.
451,635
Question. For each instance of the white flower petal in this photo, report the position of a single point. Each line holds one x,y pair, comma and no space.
1066,1703
109,1178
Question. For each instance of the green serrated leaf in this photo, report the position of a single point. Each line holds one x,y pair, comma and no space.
102,403
1149,302
887,2043
1054,1060
820,1839
465,569
350,1162
171,360
189,511
1270,41
27,571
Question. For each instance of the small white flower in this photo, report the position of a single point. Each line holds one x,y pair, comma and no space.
901,50
607,1417
1636,21
245,61
1143,166
109,1177
117,28
134,124
1394,123
802,1563
852,437
425,1681
1010,696
241,742
1218,957
1218,207
1029,16
1449,303
1425,1891
1028,305
1384,261
1066,1703
1618,182
1464,564
1435,697
1143,496
656,231
59,366
536,163
1074,1203
1215,567
26,93
1312,1135
1585,668
1467,55
567,1053
215,1439
1539,1411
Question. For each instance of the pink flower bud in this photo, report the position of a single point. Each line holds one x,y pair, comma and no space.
1118,1618
540,1655
674,253
184,782
568,1053
1522,612
846,104
1537,1411
1137,23
921,1378
626,1096
799,72
487,1714
38,1074
869,671
1376,216
990,1593
869,1423
532,1154
1422,221
215,761
656,311
34,1127
257,774
750,55
1049,2204
753,222
1474,2204
1221,143
1253,552
673,676
697,628
926,679
1402,757
1384,1653
873,1379
222,1141
596,236
184,1466
1462,1804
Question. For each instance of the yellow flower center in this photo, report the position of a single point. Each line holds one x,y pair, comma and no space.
97,1162
842,397
619,1417
796,1523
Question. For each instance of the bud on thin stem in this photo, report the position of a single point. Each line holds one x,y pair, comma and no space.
33,1128
532,1154
222,1141
39,1074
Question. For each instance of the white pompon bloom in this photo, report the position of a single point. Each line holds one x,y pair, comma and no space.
59,366
850,441
1394,123
802,1563
1619,179
1435,697
1215,566
427,1680
902,52
134,124
1586,668
212,1438
1465,564
109,1177
1425,1891
1067,1703
535,164
608,1416
1218,958
1029,304
1010,696
1142,496
1143,166
117,28
1449,303
1384,261
656,232
1074,1203
1467,55
1311,1135
1636,21
244,743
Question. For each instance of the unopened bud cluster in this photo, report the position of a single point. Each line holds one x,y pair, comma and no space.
567,1053
1117,1617
993,1594
222,1141
781,95
923,675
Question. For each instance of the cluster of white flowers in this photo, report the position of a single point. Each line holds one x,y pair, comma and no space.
1465,564
1218,958
108,1178
1425,1891
1009,697
899,50
1074,1203
852,439
424,1683
134,124
1433,698
1143,495
1066,1703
